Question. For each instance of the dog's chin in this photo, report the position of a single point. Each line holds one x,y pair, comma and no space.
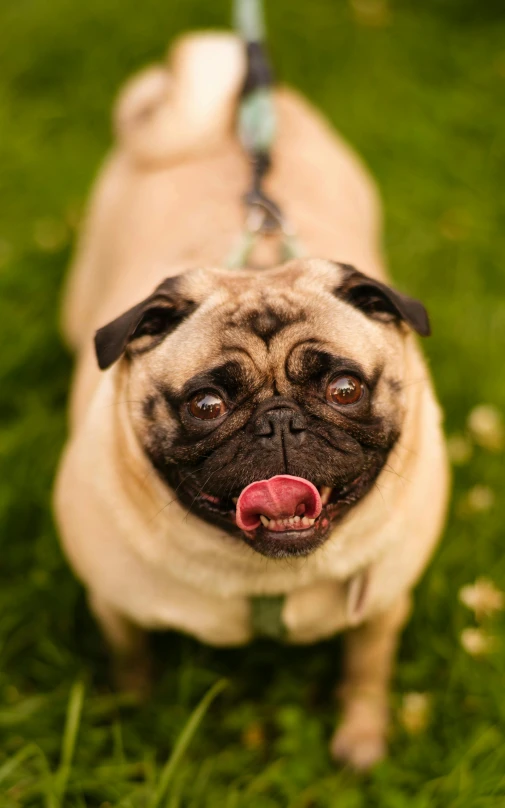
287,538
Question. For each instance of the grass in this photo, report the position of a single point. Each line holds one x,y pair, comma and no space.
418,88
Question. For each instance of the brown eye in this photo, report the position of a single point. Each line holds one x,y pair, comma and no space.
206,405
344,390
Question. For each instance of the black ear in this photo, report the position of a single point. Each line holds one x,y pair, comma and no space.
148,322
380,302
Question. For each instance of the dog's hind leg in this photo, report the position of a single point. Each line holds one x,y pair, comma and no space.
128,644
360,740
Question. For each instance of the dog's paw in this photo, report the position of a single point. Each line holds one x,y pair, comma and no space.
358,746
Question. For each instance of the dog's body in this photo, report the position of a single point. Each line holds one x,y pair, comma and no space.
169,199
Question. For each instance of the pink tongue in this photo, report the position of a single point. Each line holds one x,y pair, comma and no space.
279,497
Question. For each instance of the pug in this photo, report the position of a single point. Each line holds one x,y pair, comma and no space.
262,435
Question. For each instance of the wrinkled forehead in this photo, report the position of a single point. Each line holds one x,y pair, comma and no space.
267,320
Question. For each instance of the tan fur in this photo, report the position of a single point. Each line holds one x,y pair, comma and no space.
168,199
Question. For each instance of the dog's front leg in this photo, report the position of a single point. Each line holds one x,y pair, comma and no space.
131,659
360,740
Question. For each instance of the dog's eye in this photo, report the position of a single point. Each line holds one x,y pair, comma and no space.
207,405
344,390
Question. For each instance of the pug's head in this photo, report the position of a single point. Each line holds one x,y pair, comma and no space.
268,401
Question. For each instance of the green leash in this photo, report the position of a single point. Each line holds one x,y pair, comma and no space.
266,617
256,129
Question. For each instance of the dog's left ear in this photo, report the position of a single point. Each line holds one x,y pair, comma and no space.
381,302
144,325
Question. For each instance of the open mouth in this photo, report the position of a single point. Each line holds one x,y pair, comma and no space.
281,516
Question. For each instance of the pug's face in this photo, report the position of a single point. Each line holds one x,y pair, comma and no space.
268,401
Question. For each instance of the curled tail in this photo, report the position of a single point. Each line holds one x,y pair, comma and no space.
185,107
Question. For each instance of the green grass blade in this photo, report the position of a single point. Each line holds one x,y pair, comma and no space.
28,751
11,765
117,740
74,711
184,740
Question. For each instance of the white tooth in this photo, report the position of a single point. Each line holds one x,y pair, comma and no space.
296,519
272,523
305,521
264,521
291,520
234,500
325,493
312,521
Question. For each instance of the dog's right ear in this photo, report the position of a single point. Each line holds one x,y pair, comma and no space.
143,326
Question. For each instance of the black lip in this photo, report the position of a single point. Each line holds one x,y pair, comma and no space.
289,543
275,544
270,543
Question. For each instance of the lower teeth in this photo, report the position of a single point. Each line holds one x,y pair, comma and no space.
272,524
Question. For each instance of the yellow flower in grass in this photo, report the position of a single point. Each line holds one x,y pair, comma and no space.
479,499
477,642
485,424
482,597
415,712
460,449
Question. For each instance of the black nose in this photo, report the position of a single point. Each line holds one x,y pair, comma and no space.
280,426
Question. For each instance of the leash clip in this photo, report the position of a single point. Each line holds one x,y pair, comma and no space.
264,217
